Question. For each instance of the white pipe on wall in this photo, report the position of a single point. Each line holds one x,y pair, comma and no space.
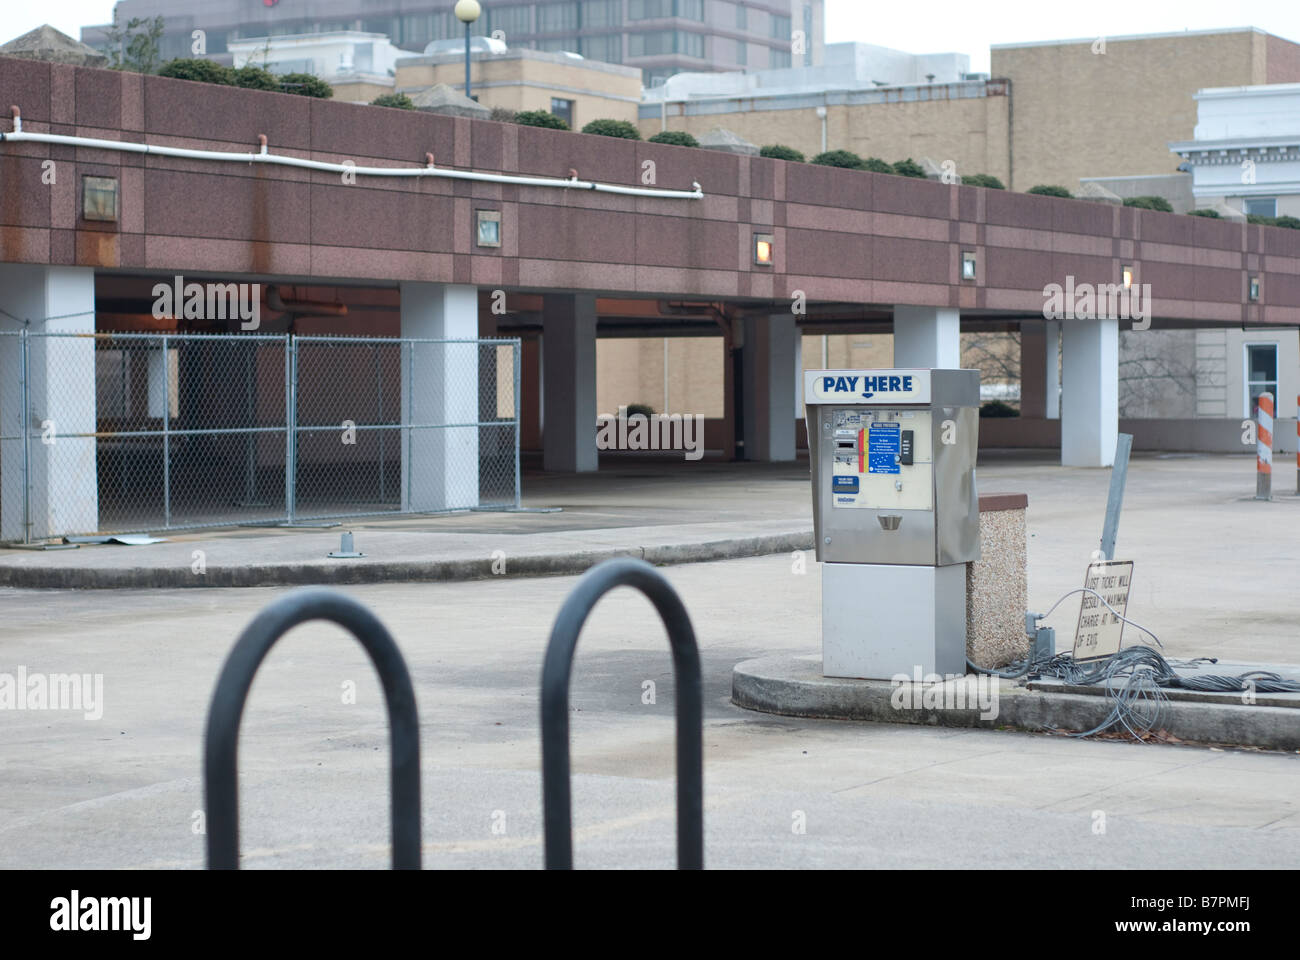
90,143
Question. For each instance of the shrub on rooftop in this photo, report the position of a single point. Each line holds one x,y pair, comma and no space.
622,129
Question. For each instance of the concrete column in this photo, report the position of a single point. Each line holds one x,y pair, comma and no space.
569,383
927,337
440,385
62,480
1033,368
768,385
1090,401
1052,369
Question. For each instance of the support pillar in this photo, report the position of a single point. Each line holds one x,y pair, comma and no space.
569,383
61,476
1033,370
1090,400
769,384
1052,369
927,337
440,386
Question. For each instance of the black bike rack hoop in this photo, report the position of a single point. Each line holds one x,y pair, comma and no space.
557,799
221,741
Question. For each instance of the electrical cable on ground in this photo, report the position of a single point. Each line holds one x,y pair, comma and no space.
1135,678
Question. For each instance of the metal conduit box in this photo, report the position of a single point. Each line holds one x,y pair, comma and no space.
895,516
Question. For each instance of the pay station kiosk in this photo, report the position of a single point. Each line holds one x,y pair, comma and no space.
895,516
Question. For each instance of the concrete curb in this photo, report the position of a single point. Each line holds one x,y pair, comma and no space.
362,571
794,687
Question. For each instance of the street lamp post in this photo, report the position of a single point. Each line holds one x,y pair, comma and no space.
467,11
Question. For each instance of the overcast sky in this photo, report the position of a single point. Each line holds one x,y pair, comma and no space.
922,26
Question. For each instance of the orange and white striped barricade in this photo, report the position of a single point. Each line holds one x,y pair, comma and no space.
1264,448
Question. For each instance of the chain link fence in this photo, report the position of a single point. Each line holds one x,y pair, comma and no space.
134,432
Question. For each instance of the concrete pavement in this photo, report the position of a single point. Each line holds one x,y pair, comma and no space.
125,790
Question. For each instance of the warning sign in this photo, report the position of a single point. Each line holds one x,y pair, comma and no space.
1099,631
884,444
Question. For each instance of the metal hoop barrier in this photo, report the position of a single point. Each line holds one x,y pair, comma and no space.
557,800
221,742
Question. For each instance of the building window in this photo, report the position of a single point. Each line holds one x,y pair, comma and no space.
691,9
742,17
807,33
607,48
556,18
649,9
1261,207
649,44
488,232
690,44
511,20
780,27
1261,374
742,53
602,13
99,198
778,59
420,29
563,109
556,44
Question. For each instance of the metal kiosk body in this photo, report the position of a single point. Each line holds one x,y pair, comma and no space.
895,516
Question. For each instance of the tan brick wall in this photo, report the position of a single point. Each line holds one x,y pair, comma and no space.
1283,64
970,132
632,371
360,92
530,85
1080,114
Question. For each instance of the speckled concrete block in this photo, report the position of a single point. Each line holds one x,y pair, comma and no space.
997,585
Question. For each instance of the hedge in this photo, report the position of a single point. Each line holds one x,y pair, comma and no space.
1150,203
622,129
996,408
249,77
839,158
909,168
399,101
200,70
778,152
1047,190
254,78
678,138
540,118
983,180
306,85
1290,223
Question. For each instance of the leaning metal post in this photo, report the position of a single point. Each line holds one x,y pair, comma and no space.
1115,499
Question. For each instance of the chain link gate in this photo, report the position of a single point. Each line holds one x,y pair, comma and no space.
184,431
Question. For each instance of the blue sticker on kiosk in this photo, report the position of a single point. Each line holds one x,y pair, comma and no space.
843,484
883,448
